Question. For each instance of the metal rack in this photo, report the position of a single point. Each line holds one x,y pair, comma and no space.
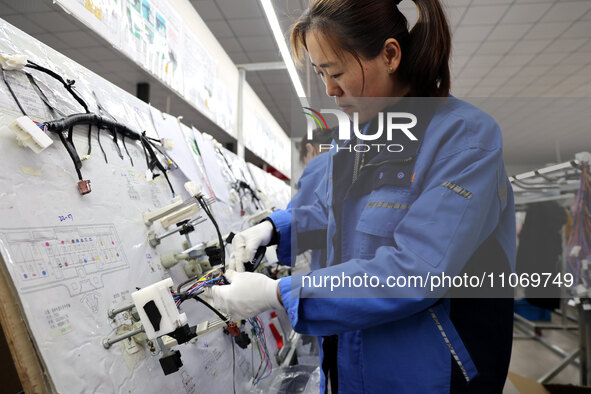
556,183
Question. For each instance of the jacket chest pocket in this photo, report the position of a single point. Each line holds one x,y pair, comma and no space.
384,209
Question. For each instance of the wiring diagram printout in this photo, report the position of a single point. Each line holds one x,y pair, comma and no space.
199,71
214,172
103,16
276,192
72,258
225,107
151,35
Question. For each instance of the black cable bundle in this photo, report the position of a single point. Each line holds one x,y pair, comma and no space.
102,122
67,123
206,209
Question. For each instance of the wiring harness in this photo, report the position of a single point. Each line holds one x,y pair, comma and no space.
580,237
212,277
205,207
216,277
265,367
64,128
241,186
101,122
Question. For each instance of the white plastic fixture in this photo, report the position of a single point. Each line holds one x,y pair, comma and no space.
157,300
29,134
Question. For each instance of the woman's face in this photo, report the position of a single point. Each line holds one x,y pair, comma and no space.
344,77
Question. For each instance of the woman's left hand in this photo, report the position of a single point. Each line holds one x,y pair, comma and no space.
247,295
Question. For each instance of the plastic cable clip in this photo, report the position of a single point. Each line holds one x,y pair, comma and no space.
29,134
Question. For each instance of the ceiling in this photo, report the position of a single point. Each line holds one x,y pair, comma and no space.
502,48
48,23
515,49
242,29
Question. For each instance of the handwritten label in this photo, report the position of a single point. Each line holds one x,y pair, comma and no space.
64,218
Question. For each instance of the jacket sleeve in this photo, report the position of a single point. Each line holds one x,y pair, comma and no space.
281,219
309,220
456,211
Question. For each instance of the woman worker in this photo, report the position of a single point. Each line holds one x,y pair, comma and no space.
442,204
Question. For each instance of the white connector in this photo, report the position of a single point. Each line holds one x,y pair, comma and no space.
169,342
13,62
157,309
29,134
194,189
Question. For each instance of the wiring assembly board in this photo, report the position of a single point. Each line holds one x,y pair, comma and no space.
72,258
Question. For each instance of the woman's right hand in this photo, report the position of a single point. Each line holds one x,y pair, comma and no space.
246,243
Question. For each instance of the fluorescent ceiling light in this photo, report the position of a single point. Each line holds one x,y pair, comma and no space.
285,53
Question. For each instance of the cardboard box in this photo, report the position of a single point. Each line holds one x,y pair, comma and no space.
529,386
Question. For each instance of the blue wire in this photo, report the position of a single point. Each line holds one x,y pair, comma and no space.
260,333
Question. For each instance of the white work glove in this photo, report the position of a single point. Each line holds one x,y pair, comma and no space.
247,295
246,243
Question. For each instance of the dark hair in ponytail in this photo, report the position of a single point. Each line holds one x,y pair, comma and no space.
361,28
319,137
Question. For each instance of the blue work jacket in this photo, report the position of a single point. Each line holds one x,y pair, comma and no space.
307,184
447,207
